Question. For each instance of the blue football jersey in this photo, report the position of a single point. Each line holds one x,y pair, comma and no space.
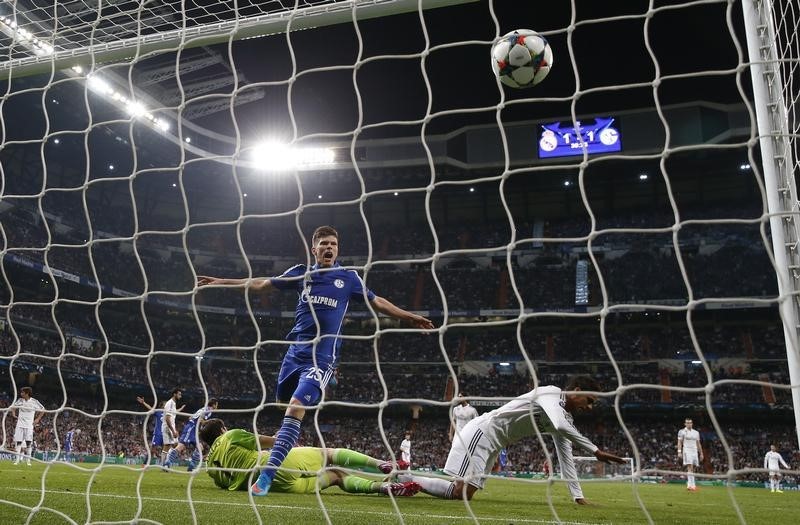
158,416
329,292
68,440
188,433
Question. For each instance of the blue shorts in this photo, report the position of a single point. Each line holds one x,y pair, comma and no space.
187,436
157,439
300,376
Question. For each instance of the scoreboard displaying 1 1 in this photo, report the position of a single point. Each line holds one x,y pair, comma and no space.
563,139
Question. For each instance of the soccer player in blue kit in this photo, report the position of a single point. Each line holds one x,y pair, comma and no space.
325,291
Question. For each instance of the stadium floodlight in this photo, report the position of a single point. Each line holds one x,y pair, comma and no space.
24,37
643,176
276,156
133,107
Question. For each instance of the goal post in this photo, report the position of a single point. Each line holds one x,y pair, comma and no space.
772,66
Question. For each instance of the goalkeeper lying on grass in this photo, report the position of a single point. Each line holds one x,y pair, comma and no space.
233,456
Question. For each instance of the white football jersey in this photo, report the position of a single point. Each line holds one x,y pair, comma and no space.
463,414
690,438
773,461
170,409
512,421
26,411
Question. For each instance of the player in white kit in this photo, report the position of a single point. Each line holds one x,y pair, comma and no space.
405,449
28,412
169,432
463,413
774,461
474,451
690,451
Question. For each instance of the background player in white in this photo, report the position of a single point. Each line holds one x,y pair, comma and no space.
547,408
463,413
690,451
405,449
773,461
28,412
169,433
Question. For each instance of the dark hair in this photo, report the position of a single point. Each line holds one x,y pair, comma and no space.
583,383
212,401
323,231
176,390
28,390
210,430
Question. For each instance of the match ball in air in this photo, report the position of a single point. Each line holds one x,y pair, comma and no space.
521,58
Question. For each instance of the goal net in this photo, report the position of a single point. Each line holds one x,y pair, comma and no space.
632,218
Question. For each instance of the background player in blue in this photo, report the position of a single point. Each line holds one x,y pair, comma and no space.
158,442
69,443
325,291
188,437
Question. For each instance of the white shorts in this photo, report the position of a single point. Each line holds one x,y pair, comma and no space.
405,456
166,435
690,458
23,434
471,456
775,474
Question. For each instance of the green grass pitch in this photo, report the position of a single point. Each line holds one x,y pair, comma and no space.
124,494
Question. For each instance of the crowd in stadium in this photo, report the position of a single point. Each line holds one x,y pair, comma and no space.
56,349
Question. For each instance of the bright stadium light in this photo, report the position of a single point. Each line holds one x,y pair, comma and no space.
99,85
25,37
276,156
134,108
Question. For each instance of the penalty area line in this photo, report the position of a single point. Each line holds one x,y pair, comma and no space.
505,519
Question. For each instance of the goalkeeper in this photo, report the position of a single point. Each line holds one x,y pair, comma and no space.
234,456
548,408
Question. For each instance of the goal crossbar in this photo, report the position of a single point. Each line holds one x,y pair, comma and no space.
214,33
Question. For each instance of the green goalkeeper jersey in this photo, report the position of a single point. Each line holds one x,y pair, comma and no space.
235,449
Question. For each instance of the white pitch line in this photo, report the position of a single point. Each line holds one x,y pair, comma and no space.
297,507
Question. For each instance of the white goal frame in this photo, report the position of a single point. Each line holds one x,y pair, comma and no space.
206,34
772,93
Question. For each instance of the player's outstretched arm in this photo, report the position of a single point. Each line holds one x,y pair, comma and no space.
607,457
255,283
386,307
141,401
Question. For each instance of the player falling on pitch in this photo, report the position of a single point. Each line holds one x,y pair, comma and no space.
547,408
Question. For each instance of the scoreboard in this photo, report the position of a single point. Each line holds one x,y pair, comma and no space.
563,139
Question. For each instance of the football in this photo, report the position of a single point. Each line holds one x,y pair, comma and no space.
521,58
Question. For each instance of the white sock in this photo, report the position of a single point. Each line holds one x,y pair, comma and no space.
771,484
441,488
690,480
18,449
777,484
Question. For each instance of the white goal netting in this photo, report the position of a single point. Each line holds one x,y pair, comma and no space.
631,218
